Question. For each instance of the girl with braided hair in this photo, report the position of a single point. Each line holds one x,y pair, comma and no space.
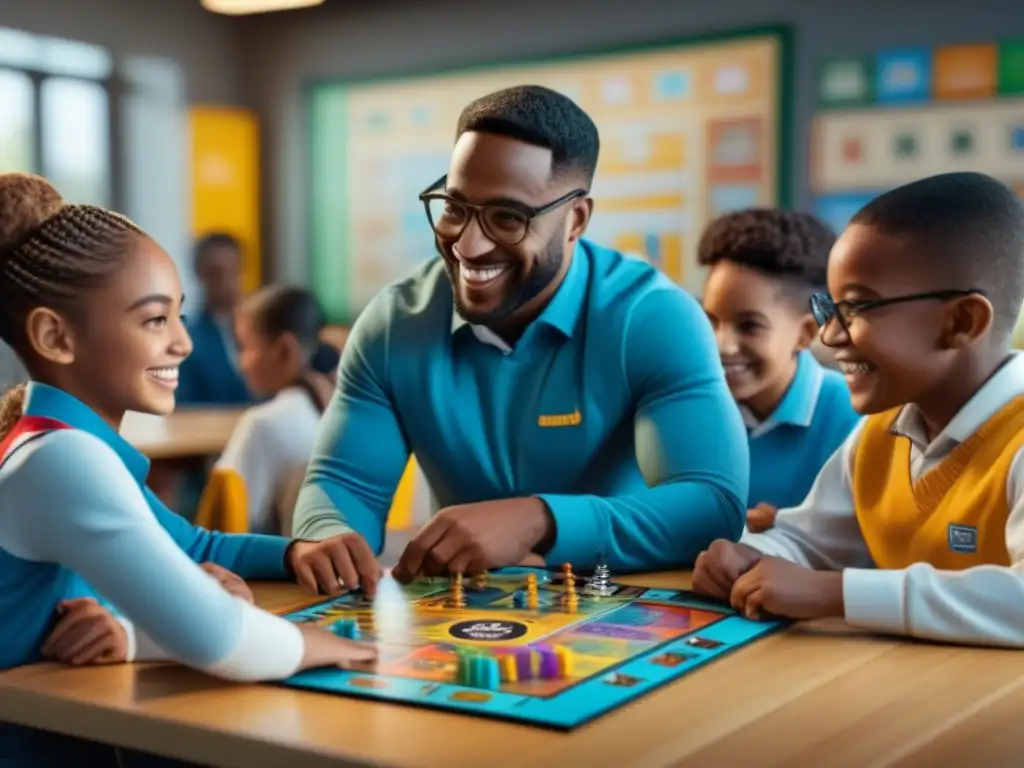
92,306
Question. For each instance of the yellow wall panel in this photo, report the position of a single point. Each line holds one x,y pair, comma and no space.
225,181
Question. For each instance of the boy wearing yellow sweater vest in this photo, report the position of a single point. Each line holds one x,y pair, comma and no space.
915,526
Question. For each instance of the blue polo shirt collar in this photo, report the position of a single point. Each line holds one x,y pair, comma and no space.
798,404
44,400
563,311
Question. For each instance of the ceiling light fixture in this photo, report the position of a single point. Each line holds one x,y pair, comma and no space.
242,7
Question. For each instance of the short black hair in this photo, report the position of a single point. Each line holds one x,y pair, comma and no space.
210,241
277,309
970,225
542,117
789,245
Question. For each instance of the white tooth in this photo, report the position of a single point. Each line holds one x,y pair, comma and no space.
482,274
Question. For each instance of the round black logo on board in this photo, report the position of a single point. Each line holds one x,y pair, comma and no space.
487,631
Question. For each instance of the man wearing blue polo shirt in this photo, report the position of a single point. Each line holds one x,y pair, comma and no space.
563,400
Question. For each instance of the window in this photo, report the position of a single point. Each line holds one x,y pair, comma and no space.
17,140
105,132
58,114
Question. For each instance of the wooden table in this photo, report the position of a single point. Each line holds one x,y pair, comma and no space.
815,695
185,434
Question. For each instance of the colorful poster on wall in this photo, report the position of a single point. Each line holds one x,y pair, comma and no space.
225,181
687,132
958,108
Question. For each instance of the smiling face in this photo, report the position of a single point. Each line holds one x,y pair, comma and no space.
505,285
759,331
121,347
899,353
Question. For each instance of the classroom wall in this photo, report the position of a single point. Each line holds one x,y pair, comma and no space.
205,45
359,38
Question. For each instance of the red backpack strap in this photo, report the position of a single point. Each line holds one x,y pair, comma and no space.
25,430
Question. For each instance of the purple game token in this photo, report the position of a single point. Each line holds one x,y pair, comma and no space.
524,665
548,665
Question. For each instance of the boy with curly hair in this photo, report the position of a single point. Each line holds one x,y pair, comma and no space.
763,267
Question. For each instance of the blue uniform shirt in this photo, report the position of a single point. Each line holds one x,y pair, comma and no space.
210,375
612,408
71,506
789,448
30,590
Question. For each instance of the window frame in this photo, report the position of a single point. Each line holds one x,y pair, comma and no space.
115,88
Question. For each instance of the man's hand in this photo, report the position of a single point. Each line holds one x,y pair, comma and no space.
718,567
232,583
781,588
471,538
761,518
335,565
86,633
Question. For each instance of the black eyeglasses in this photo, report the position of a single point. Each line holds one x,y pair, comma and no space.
824,308
506,223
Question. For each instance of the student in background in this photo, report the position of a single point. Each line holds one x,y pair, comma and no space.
278,333
92,307
763,267
916,526
211,375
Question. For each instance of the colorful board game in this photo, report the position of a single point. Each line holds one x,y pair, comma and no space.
525,644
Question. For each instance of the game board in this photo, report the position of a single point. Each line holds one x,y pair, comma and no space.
559,664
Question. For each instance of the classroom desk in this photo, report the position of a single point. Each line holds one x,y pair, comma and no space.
185,434
817,695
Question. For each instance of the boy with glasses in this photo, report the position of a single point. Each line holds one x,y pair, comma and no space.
916,526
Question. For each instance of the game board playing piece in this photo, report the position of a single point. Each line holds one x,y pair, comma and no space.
509,671
519,599
457,598
565,661
548,665
532,598
524,664
347,628
599,584
480,580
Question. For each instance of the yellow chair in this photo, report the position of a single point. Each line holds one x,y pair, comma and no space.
224,505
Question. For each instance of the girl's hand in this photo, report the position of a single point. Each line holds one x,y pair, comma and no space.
232,583
325,649
86,633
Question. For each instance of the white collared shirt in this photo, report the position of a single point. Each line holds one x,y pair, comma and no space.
981,605
271,442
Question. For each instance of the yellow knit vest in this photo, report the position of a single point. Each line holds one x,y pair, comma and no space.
954,516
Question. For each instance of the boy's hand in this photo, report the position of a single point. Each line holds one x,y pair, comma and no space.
761,518
720,565
86,633
781,588
233,583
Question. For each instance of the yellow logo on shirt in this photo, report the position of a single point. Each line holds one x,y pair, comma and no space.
573,419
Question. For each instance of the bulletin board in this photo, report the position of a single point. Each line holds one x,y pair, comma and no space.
688,131
900,115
